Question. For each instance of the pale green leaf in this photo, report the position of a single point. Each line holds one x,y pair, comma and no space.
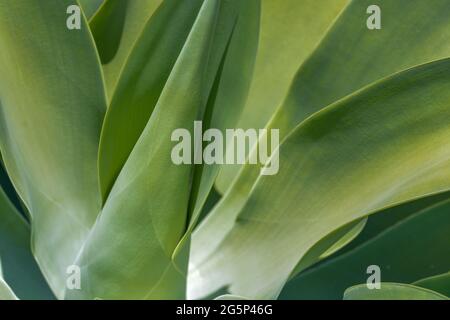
116,27
342,164
290,31
90,7
392,291
150,188
5,291
322,80
52,104
142,81
420,239
439,283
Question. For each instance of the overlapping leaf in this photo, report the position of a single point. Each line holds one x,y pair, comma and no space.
355,158
290,30
52,104
116,28
392,291
420,240
341,64
439,283
153,191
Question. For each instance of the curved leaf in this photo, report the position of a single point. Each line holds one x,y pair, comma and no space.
136,248
142,81
52,103
116,27
19,268
290,30
362,143
5,291
421,240
90,7
439,283
322,80
392,291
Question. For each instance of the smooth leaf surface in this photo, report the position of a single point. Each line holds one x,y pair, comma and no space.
138,264
355,154
392,291
18,265
116,28
5,291
19,268
421,240
52,103
142,81
290,31
439,283
90,7
322,80
228,97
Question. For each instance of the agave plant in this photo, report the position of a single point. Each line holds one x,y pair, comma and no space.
93,207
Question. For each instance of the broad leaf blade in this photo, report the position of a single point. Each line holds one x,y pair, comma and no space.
354,159
439,283
144,77
52,105
322,80
392,291
137,261
414,248
290,31
5,291
18,265
116,28
90,7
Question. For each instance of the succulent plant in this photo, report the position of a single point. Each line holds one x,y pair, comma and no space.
93,207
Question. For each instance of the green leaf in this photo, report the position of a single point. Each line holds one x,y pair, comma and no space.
116,28
19,268
5,291
90,7
439,283
335,69
391,291
52,104
142,80
230,297
290,31
420,239
136,261
229,94
342,164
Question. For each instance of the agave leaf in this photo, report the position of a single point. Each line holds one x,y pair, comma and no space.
90,7
322,80
290,30
52,104
142,81
5,291
392,291
229,94
424,249
19,267
371,227
138,264
230,297
116,28
350,56
356,157
439,283
331,243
